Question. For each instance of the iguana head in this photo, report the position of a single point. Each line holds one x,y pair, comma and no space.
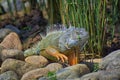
73,37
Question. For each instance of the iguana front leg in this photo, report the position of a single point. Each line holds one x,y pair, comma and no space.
72,59
53,52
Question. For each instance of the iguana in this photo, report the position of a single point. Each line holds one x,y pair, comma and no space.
60,44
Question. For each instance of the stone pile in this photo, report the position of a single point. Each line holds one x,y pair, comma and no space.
14,66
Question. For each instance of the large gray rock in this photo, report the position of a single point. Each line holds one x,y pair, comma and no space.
13,28
9,75
12,53
37,60
34,74
109,68
109,75
19,67
72,72
102,75
91,76
110,60
3,33
114,65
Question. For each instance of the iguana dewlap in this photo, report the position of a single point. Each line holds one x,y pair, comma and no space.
60,45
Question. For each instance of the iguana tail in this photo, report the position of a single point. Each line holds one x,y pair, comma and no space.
35,50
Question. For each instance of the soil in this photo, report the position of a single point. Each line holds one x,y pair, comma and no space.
30,25
112,43
27,22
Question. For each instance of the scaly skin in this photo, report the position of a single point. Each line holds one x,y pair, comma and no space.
49,48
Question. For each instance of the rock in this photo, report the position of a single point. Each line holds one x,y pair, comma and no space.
13,28
102,75
43,78
19,67
3,33
53,67
90,76
69,73
109,68
12,41
114,65
37,60
109,75
110,59
90,65
12,53
72,72
1,48
34,74
9,75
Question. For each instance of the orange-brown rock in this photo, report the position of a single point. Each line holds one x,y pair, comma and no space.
12,41
37,60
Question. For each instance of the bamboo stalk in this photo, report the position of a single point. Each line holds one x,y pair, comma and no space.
10,8
15,7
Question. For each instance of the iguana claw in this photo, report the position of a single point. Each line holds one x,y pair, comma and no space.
53,52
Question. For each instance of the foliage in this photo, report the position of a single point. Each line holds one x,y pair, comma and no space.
10,8
26,28
92,15
51,76
86,13
96,67
15,6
